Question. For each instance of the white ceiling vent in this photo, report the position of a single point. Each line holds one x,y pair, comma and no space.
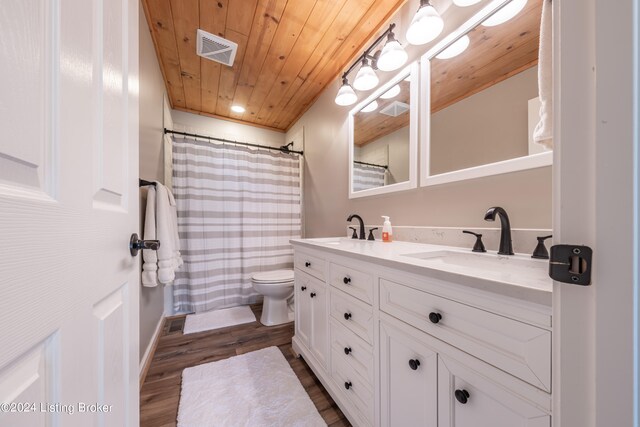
216,48
395,109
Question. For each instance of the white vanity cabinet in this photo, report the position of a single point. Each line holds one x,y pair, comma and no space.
311,321
397,348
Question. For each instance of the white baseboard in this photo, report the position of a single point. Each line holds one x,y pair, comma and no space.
151,349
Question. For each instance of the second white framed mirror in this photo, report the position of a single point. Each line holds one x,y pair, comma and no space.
479,102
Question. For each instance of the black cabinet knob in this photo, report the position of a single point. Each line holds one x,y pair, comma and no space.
307,264
312,294
346,280
347,316
303,288
348,385
347,350
414,364
462,396
435,317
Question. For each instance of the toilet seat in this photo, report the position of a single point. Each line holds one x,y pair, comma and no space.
275,276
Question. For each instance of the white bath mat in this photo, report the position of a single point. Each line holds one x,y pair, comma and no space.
218,319
253,389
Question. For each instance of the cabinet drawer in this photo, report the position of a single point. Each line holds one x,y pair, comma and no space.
352,386
469,397
354,314
349,348
515,347
310,264
353,282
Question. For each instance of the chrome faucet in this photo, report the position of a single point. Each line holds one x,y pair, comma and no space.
505,229
359,218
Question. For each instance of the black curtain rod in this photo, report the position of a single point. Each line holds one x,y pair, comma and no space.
284,149
371,164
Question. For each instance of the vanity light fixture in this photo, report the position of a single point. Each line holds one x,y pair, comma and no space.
393,55
426,25
346,95
366,78
465,3
372,106
394,91
237,109
455,48
507,12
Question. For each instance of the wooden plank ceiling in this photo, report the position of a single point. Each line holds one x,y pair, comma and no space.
494,54
288,52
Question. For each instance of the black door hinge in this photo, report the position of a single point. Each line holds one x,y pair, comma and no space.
571,264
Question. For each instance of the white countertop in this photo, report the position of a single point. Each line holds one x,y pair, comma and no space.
518,276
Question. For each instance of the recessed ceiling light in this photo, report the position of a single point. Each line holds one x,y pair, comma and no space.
237,109
506,13
394,91
372,106
455,49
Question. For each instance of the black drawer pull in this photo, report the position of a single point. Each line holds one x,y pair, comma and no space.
346,280
462,396
348,385
435,317
312,294
347,316
307,264
303,288
414,364
347,350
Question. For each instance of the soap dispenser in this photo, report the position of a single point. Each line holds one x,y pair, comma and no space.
387,233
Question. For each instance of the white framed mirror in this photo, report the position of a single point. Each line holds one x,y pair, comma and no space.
383,138
479,100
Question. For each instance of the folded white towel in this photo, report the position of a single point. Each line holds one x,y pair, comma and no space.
169,258
543,132
150,259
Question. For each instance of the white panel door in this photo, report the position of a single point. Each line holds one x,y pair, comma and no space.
319,340
408,379
68,204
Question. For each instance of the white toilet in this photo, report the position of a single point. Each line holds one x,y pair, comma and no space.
277,287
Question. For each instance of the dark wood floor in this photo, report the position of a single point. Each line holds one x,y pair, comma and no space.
160,393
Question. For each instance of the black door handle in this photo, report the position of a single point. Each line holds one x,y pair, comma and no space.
303,288
307,264
312,294
346,280
135,244
414,364
347,316
348,385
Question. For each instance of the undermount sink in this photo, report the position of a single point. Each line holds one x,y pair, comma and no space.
481,261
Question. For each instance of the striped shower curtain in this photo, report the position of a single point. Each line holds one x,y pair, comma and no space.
237,209
365,176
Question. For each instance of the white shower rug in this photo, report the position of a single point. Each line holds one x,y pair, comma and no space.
254,389
218,319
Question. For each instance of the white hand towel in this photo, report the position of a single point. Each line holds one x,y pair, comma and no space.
149,258
543,132
169,252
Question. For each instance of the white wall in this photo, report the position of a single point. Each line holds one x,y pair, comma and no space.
392,150
194,123
152,94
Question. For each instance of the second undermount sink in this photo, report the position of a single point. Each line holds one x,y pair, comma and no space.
481,261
